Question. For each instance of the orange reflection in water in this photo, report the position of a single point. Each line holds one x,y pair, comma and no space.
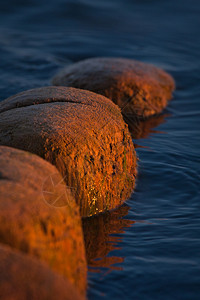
142,128
100,239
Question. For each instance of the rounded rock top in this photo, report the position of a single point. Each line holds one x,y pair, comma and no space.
138,88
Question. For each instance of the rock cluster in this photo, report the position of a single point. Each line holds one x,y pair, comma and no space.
66,153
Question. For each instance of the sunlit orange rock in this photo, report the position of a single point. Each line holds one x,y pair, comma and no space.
83,134
39,216
138,88
23,277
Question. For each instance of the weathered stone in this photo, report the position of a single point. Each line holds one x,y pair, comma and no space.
83,134
138,88
38,215
23,277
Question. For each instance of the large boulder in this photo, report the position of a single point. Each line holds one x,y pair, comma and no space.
140,89
83,134
39,216
23,277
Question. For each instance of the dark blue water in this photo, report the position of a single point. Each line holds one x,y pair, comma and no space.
150,248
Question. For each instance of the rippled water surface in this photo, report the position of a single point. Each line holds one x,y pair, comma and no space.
150,247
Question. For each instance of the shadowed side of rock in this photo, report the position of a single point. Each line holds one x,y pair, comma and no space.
22,277
83,134
39,216
139,89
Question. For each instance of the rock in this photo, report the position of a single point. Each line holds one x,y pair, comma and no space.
23,277
83,134
39,216
138,88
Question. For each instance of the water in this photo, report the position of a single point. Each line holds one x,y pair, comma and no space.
149,248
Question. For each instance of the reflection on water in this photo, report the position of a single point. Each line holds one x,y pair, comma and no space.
100,234
143,128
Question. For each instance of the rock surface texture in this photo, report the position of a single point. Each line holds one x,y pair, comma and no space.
23,277
83,134
140,89
39,216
